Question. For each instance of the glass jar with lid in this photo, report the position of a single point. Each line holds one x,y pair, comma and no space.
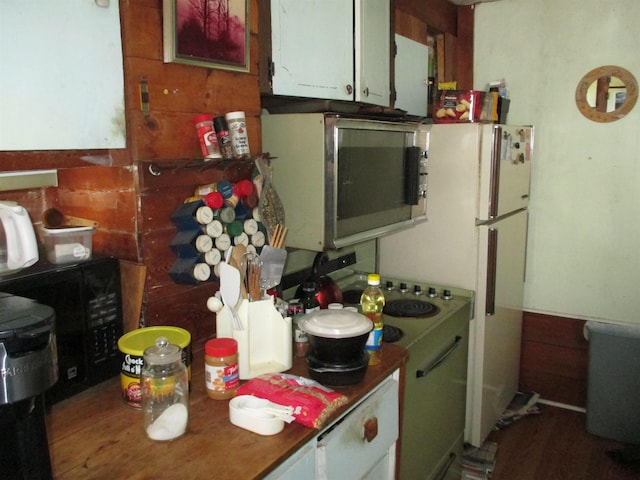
165,391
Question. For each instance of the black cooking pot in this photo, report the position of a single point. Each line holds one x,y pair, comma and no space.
337,341
338,375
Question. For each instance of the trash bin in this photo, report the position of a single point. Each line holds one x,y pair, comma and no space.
613,385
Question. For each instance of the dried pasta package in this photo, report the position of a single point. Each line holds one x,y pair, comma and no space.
312,403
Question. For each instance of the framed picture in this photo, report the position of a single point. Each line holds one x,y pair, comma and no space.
207,33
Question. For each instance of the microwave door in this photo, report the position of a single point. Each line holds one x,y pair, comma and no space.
371,184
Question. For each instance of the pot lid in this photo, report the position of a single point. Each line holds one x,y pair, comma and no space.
335,323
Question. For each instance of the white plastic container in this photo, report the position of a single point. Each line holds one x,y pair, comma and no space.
66,245
264,344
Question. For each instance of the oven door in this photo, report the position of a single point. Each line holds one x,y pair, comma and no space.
434,402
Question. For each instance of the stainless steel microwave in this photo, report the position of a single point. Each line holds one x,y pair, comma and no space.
343,180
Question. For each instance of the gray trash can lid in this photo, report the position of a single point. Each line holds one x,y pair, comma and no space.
611,329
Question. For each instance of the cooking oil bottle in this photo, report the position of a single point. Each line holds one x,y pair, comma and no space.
372,302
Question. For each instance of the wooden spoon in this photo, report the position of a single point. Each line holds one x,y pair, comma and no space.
237,260
54,218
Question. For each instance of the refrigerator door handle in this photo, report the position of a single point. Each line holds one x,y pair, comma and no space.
494,183
492,266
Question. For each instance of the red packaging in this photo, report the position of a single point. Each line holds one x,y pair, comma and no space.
312,403
458,106
207,136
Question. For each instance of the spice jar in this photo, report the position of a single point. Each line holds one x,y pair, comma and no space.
222,376
238,132
207,137
224,138
165,391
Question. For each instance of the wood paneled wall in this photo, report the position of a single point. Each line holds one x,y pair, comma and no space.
453,28
115,188
554,358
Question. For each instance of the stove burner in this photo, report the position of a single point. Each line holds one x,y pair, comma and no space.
391,334
351,297
410,308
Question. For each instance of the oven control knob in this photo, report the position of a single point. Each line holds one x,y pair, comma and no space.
389,285
403,287
432,292
446,294
417,290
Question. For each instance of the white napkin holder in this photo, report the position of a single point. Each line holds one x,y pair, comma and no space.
264,344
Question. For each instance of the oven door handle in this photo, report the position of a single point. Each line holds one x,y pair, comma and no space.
441,359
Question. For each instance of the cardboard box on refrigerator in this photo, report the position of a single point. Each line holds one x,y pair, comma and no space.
458,106
466,106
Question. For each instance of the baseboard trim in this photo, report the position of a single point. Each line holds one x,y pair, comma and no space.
562,405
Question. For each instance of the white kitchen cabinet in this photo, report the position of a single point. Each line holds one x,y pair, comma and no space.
360,444
334,49
411,76
61,80
372,51
300,465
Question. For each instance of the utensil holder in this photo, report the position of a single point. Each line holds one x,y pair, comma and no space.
265,344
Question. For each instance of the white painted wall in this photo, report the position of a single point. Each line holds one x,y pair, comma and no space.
584,238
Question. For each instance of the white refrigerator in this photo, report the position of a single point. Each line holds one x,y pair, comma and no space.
475,238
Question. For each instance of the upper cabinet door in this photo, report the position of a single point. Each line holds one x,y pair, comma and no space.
312,48
411,74
372,52
61,76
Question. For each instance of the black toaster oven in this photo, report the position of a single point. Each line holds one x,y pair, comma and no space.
87,301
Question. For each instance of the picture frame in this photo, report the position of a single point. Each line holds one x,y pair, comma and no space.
207,33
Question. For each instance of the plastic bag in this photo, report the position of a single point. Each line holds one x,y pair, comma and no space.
312,403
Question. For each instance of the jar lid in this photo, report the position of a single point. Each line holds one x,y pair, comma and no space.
234,115
243,188
220,124
235,228
225,188
204,243
202,118
204,215
221,347
214,200
227,214
162,352
335,323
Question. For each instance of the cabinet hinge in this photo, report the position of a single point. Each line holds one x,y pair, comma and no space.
272,70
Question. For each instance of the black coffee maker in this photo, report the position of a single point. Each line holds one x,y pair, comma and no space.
28,367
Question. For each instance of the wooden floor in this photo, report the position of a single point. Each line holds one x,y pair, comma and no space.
554,445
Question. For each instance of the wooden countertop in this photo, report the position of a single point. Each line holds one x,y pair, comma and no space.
95,435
